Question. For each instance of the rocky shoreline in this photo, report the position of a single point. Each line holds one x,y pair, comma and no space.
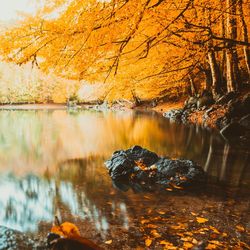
230,114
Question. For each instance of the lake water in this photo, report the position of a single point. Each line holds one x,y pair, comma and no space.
51,162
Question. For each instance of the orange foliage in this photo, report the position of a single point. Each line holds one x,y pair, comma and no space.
148,46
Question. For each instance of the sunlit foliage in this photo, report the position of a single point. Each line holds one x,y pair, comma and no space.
146,46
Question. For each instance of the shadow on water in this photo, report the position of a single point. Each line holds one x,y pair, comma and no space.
52,162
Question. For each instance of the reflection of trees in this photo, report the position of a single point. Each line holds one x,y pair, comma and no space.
41,143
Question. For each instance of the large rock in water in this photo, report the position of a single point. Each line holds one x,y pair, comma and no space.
140,168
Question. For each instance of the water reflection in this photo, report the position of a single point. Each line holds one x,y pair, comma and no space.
52,161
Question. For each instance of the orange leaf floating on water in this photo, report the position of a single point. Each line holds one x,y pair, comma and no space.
161,212
155,234
224,235
167,245
187,245
186,238
169,189
179,226
214,229
108,242
148,242
211,246
194,241
144,221
201,220
240,228
188,233
215,242
151,226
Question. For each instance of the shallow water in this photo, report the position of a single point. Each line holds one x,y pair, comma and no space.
51,162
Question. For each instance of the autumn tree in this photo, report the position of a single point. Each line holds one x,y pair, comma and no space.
149,46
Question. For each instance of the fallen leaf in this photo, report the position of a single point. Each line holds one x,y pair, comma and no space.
161,212
194,241
214,229
144,221
215,242
201,220
164,242
108,242
151,226
240,228
179,226
186,239
169,189
211,246
155,234
187,245
167,245
224,235
188,233
148,242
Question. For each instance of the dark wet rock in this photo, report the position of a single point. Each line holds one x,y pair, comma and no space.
142,170
204,101
235,108
245,139
226,98
122,163
233,129
14,240
222,122
245,122
174,114
246,103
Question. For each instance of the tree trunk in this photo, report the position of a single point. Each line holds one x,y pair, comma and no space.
214,67
223,60
208,79
245,37
231,53
192,86
215,72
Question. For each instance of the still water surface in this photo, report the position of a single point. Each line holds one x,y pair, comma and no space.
52,162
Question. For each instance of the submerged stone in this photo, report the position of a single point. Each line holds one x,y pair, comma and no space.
142,169
15,240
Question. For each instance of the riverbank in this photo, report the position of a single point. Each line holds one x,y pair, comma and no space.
229,114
